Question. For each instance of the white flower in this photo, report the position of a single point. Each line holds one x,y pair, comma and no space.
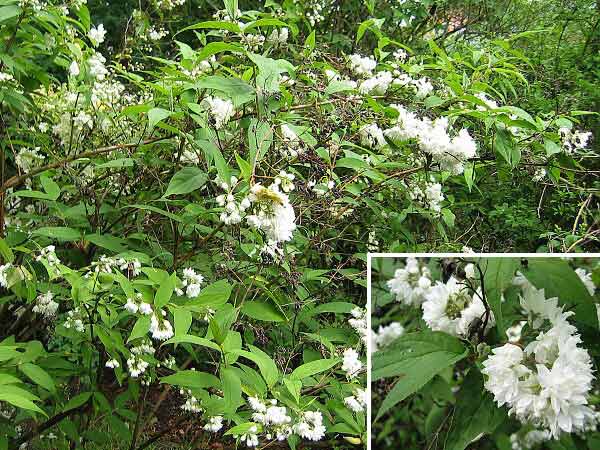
145,308
386,335
136,366
357,402
220,111
48,254
192,282
96,35
470,271
310,426
285,181
160,328
74,69
371,136
273,213
362,65
112,364
257,405
291,141
4,275
359,322
586,279
376,85
27,159
97,68
352,364
411,283
449,307
45,305
214,424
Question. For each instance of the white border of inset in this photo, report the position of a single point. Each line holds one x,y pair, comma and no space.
437,255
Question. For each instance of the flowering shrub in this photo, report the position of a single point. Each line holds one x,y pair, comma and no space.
486,352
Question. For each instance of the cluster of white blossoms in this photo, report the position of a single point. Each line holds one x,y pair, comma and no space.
192,282
214,424
529,439
29,158
156,34
586,279
192,403
430,198
169,4
137,304
233,210
545,382
411,283
278,36
160,327
371,136
45,305
310,426
291,143
285,181
275,420
107,264
450,153
112,364
97,34
74,320
220,111
272,212
362,65
4,268
357,402
572,141
385,335
451,307
377,84
352,364
48,254
136,364
359,322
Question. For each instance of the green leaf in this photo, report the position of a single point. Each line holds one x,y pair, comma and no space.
260,138
65,234
243,429
236,89
415,358
313,367
51,188
183,320
213,25
558,279
232,390
185,181
497,275
266,365
6,252
165,291
507,147
263,310
269,71
38,376
20,401
475,413
155,115
294,386
77,401
190,339
213,295
140,329
8,12
109,242
192,379
218,47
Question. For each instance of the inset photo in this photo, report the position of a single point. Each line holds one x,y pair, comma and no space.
486,352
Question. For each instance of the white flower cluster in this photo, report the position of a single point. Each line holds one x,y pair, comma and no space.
156,34
386,335
192,404
191,282
45,305
430,198
410,283
220,111
214,424
292,145
377,84
112,364
450,153
160,327
28,159
450,307
278,36
75,320
169,4
272,212
586,279
573,141
362,65
4,268
357,402
529,440
275,419
359,322
352,364
106,264
310,426
136,364
97,34
233,210
547,383
371,136
4,76
48,254
422,86
285,181
490,103
135,305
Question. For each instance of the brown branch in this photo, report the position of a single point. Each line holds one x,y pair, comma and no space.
18,180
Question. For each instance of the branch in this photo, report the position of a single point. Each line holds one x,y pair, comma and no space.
18,180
